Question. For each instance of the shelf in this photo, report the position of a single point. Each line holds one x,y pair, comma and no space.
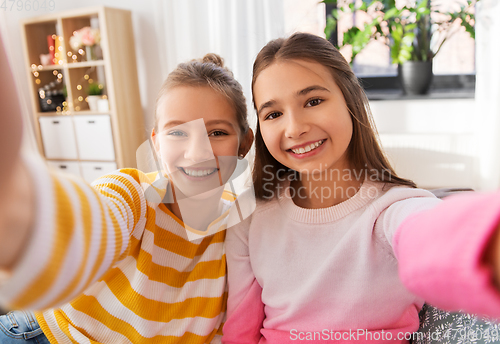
85,64
120,124
88,112
72,113
53,114
70,65
79,160
41,68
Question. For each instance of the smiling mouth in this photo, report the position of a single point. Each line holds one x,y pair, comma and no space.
198,172
308,148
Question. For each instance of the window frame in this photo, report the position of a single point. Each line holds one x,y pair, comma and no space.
388,87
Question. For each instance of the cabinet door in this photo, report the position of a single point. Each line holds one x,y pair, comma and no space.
71,167
58,137
94,138
93,170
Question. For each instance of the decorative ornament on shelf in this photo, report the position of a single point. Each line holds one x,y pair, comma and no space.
414,32
88,38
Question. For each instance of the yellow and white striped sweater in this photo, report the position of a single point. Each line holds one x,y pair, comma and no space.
123,264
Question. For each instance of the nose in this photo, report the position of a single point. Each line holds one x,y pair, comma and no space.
198,149
296,125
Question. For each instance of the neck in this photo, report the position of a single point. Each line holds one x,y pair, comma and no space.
197,212
325,189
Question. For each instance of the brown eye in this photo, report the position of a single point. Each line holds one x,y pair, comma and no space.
314,102
273,115
217,133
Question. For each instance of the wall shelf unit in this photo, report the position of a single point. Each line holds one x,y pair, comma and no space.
71,136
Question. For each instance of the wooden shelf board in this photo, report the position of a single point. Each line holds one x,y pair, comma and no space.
73,113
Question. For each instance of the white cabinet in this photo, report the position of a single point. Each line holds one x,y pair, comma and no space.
58,136
94,137
88,170
93,170
71,167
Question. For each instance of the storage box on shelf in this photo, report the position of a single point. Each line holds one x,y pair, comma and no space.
73,136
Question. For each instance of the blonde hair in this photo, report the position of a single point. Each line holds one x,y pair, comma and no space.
208,71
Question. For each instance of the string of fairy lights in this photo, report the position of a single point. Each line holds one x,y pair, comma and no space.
48,89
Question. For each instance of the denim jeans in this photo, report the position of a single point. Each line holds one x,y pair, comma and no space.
18,327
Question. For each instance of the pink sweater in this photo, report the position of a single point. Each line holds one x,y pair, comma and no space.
324,275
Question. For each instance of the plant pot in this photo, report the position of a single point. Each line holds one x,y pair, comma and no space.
415,76
102,105
93,100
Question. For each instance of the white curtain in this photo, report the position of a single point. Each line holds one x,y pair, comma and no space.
488,93
234,29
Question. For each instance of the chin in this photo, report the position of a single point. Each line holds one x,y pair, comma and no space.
210,195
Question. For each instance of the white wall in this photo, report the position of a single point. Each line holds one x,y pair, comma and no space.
430,141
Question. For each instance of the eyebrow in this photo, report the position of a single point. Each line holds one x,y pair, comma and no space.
219,121
312,88
172,124
175,123
302,92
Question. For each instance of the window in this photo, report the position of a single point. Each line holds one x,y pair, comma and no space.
453,67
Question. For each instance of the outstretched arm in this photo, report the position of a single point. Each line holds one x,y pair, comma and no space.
450,255
16,196
58,235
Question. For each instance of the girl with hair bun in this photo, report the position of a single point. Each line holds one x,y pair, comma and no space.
123,260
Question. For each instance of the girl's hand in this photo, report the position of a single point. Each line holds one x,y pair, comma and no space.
16,200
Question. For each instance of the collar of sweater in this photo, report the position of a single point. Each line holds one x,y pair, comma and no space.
367,193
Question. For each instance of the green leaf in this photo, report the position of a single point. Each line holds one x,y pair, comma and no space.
411,27
331,25
422,5
393,12
408,38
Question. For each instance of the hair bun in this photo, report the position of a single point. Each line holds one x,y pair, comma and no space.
214,58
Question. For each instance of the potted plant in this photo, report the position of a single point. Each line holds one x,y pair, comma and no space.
94,92
414,33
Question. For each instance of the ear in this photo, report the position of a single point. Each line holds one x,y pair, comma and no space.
246,143
155,140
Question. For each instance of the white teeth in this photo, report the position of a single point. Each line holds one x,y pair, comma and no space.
198,173
308,148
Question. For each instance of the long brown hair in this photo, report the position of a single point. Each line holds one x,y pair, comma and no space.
364,152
